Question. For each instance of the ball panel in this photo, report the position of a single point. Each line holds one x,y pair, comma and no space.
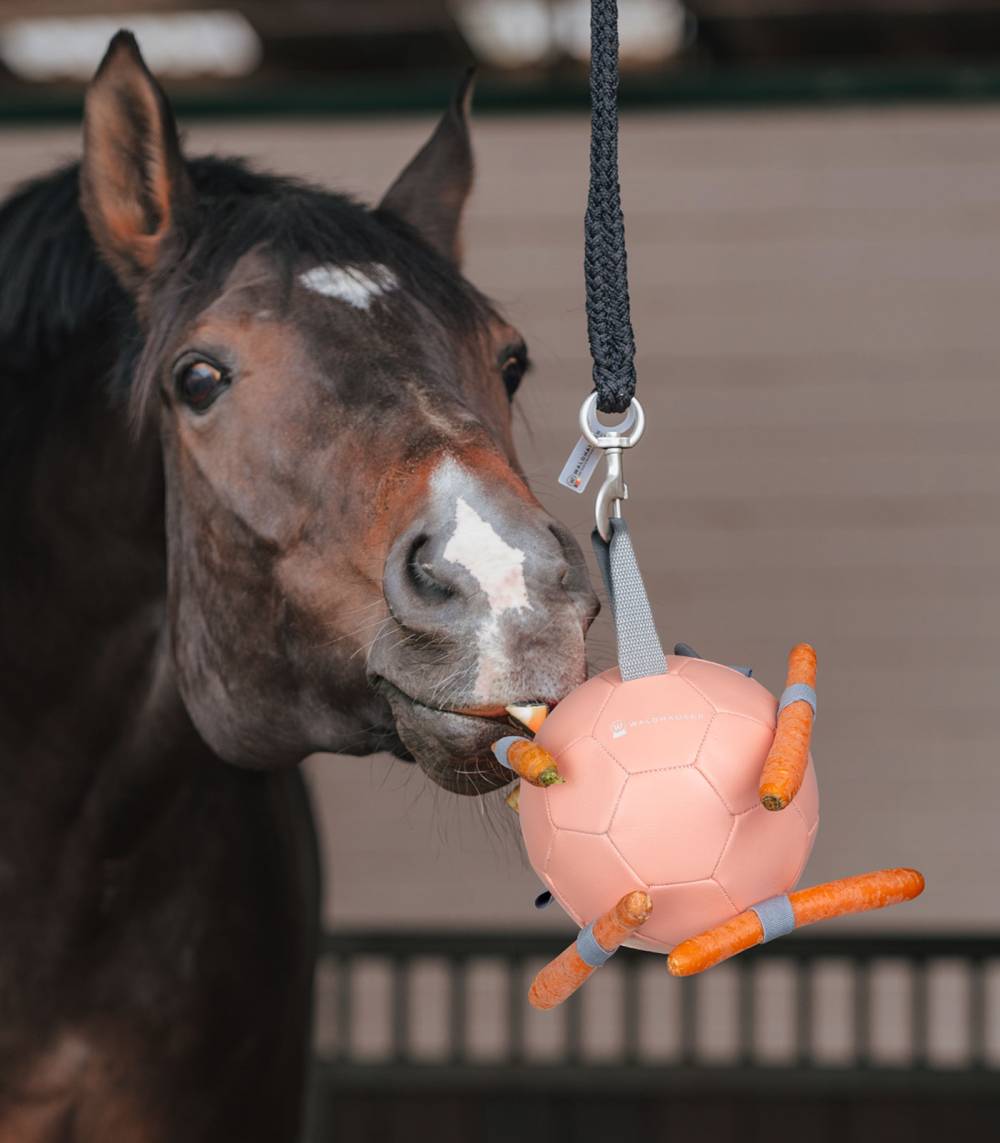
807,799
732,759
764,855
653,723
574,717
806,854
536,826
588,798
670,825
587,874
566,906
682,911
730,691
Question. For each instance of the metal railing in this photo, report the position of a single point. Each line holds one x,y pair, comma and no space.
447,1009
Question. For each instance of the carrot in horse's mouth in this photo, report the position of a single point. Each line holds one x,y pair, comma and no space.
527,714
531,715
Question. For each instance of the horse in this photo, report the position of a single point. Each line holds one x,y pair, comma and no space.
258,499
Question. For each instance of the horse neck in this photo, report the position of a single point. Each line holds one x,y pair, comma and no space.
82,621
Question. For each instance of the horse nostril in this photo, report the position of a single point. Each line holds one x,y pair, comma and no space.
421,573
572,558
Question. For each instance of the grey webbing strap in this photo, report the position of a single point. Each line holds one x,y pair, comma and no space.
776,917
639,650
589,950
797,692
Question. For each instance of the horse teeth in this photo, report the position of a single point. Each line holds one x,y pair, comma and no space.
531,715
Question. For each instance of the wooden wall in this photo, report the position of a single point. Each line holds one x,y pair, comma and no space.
816,306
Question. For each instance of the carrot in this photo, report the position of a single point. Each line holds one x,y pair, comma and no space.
528,760
513,799
528,714
561,977
785,765
705,950
858,894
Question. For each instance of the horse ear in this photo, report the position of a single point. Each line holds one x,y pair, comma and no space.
432,189
133,181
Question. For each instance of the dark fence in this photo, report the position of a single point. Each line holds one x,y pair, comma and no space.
854,1037
441,1008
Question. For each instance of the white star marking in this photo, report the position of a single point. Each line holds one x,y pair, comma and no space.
352,284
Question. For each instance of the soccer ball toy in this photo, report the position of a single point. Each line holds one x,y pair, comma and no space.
675,812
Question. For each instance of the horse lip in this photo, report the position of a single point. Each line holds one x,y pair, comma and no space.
499,712
446,742
494,712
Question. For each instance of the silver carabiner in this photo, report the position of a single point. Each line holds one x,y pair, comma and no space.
612,439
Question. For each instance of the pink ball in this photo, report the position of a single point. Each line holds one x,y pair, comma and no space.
661,793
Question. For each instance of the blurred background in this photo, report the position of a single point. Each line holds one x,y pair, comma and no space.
321,56
812,195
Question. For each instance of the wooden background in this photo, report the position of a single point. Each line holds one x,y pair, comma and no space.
815,301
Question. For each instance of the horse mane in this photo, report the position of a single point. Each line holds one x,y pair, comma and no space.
60,301
54,284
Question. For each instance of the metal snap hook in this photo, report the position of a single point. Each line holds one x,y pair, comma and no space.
611,439
625,434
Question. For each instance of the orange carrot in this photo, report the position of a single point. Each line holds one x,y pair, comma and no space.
561,977
857,894
528,760
705,950
785,765
513,799
530,715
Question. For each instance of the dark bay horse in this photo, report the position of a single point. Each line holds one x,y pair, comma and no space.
258,498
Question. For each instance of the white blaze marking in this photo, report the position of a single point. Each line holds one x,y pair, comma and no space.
352,284
498,568
494,564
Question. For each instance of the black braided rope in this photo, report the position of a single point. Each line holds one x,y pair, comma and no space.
609,323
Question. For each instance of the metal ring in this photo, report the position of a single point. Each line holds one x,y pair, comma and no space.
623,435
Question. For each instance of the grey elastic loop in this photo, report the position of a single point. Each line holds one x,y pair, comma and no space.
797,692
639,650
501,748
589,950
686,651
776,917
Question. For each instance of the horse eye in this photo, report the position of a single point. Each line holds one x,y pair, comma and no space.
199,383
512,372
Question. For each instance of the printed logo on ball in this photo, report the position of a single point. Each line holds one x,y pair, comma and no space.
620,728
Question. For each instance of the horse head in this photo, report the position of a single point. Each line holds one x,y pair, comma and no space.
355,560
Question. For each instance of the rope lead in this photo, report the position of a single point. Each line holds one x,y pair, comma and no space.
609,322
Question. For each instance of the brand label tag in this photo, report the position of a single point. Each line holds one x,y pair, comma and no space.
579,467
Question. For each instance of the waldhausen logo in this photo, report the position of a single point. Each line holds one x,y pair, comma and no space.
620,728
